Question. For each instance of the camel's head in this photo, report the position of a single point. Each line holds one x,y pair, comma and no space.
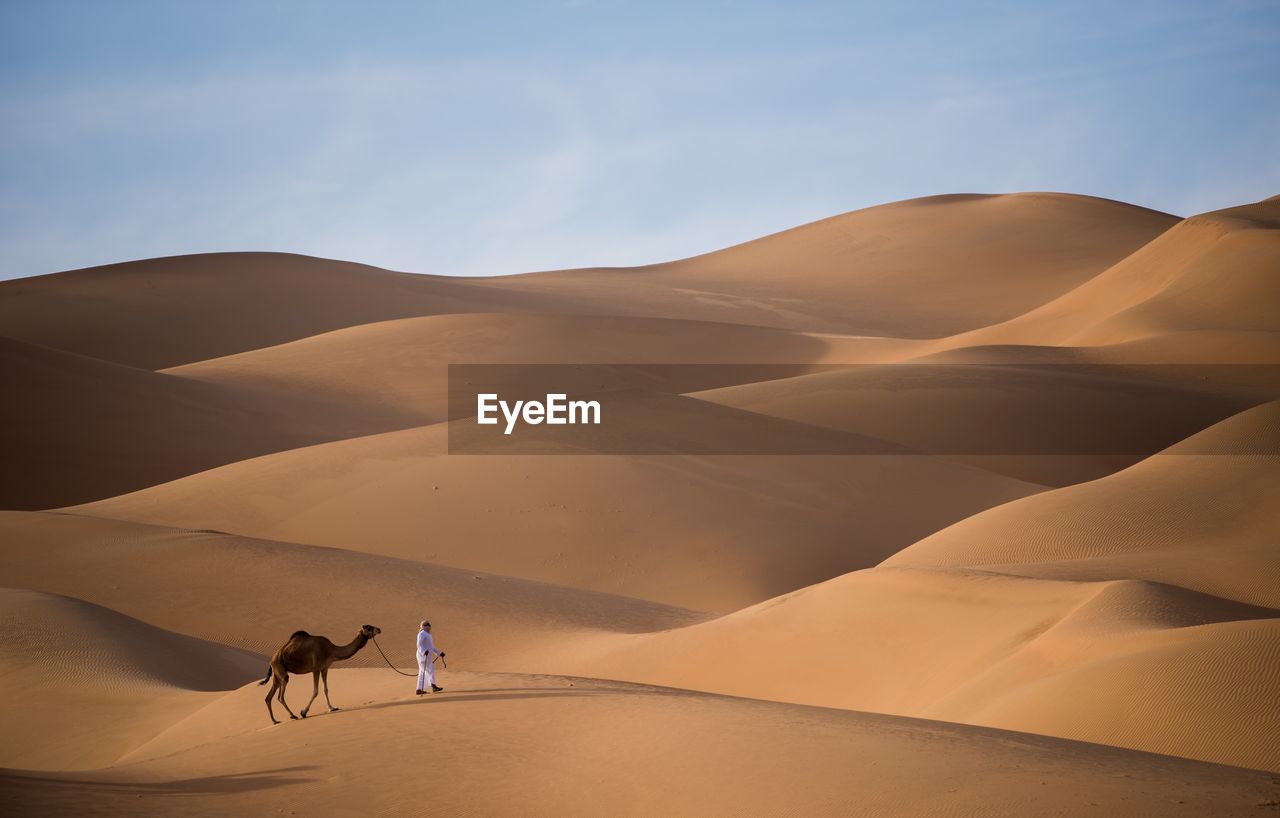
369,631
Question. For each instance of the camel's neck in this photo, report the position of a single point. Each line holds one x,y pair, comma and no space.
351,648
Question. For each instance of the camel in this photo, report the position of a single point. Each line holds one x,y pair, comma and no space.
304,653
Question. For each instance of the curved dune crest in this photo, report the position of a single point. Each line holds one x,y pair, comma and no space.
1186,516
83,684
1083,612
861,273
1211,273
1198,691
980,259
162,312
403,364
1039,416
695,531
76,429
120,650
253,593
1095,661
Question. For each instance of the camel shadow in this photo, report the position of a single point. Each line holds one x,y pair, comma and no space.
213,784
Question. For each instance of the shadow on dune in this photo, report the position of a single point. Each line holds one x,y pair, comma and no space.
17,784
495,695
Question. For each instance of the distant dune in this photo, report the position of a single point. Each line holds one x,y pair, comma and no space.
700,532
1051,422
1049,586
402,365
923,268
862,273
1209,273
92,429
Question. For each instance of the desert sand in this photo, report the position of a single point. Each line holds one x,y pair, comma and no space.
1049,589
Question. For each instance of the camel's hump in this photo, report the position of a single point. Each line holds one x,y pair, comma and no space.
296,634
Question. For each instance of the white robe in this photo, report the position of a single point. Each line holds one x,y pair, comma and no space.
427,654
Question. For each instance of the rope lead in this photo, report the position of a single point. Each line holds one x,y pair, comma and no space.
388,661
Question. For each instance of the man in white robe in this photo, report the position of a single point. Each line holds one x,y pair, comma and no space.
427,654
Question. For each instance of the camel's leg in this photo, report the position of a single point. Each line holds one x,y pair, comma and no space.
275,683
315,691
324,674
284,682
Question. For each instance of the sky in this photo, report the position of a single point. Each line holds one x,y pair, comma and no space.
493,138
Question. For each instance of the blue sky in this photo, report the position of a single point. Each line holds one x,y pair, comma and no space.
471,138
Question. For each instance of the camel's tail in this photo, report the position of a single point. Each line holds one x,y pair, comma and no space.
266,678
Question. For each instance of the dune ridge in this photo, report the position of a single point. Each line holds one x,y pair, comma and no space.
1119,622
692,531
83,685
213,305
82,429
1212,272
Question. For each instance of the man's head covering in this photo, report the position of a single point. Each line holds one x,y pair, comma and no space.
426,624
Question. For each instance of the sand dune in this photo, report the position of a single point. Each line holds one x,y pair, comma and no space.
1118,662
1204,347
996,647
76,428
1182,674
698,532
205,306
860,273
252,594
980,259
1035,418
535,742
1085,612
82,685
1187,517
403,364
1210,273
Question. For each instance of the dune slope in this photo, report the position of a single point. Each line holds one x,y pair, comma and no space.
1211,273
700,532
163,312
1125,663
499,740
981,259
253,593
1198,515
1049,421
1137,610
860,273
75,428
403,364
82,685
